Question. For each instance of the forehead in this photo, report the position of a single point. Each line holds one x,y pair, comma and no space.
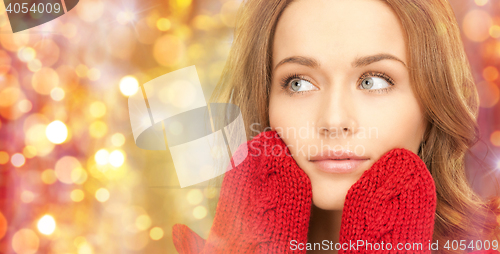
337,31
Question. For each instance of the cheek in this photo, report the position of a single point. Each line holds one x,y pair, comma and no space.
286,113
398,127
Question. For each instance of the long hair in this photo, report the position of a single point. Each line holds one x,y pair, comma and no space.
441,80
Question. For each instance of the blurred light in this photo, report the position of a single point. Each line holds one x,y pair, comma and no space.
495,31
196,51
481,2
102,195
210,192
125,17
490,73
47,52
57,93
156,233
183,3
94,74
85,248
77,195
27,196
46,225
79,175
17,160
29,152
228,12
34,65
25,241
4,157
102,157
97,109
3,225
79,240
163,24
48,176
147,31
194,196
476,25
495,138
81,70
168,50
64,168
143,222
126,38
25,106
56,132
5,62
98,129
129,85
199,212
69,30
118,139
116,158
26,54
488,94
203,22
36,136
90,11
137,242
15,41
44,80
9,96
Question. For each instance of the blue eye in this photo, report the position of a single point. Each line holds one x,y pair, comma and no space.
296,84
374,83
301,85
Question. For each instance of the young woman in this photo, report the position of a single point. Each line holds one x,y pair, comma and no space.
344,83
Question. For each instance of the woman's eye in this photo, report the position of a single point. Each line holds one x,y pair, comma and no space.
300,85
374,83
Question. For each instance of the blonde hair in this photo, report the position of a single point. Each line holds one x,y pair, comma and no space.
441,79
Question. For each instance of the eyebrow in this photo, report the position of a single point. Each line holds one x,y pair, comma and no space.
358,62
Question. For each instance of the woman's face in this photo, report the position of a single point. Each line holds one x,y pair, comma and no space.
341,89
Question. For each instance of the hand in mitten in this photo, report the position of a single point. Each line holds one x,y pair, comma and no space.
265,202
392,203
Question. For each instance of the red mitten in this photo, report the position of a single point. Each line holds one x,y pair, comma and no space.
392,203
265,202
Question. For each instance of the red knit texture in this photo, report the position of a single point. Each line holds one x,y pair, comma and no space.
392,203
265,202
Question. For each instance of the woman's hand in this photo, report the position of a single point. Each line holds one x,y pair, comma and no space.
265,203
393,203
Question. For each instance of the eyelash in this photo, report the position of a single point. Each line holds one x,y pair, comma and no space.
286,81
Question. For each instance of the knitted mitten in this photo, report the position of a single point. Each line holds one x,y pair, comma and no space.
265,202
392,203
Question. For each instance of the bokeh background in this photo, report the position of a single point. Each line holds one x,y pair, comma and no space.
71,178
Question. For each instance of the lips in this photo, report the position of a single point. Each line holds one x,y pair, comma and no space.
340,161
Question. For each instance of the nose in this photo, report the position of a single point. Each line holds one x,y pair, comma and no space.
337,114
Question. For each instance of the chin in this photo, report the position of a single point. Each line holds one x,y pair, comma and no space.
327,202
